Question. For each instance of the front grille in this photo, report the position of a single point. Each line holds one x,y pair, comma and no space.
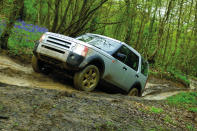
59,42
50,48
50,60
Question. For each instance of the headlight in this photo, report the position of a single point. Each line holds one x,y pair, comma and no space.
42,38
80,50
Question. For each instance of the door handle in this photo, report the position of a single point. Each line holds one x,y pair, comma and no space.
124,68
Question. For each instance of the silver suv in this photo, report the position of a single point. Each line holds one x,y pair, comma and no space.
90,58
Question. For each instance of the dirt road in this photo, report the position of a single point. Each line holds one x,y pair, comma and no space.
17,74
31,101
14,73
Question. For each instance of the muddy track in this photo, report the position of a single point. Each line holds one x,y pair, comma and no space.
31,101
15,73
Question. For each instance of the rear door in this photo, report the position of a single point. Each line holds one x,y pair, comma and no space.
132,75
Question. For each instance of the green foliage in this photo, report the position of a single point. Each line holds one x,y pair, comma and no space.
183,98
170,75
193,109
186,100
140,121
190,127
178,76
21,42
157,128
152,109
156,110
168,119
20,45
30,8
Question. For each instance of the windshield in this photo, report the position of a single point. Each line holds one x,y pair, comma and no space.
105,44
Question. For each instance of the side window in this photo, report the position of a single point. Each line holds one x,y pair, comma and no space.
144,68
121,54
128,57
133,60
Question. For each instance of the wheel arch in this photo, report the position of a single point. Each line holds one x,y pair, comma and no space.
97,61
138,86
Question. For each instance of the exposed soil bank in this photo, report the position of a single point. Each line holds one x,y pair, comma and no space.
43,109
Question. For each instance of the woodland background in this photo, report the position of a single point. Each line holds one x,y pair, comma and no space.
163,31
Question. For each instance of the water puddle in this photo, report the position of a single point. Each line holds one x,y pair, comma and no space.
161,96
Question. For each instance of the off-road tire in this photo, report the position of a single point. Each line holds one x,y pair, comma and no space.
87,79
36,64
134,92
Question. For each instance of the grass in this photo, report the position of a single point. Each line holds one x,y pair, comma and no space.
156,110
187,100
190,127
168,119
193,109
151,109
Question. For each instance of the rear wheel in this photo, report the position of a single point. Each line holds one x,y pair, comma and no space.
134,92
87,79
36,64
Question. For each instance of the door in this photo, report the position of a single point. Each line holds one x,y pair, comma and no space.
120,69
133,74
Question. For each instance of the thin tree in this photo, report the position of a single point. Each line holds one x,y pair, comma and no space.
14,13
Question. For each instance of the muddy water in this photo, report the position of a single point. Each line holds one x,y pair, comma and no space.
16,74
22,75
161,96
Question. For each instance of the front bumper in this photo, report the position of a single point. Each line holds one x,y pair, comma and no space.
58,57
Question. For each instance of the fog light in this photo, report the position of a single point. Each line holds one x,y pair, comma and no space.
72,57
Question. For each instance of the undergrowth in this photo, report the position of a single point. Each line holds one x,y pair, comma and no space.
176,76
23,36
187,100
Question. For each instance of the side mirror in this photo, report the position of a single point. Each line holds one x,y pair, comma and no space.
121,57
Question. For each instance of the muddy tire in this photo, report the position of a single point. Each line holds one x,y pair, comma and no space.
134,92
87,79
36,65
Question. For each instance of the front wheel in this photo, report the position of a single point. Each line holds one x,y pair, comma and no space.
87,79
36,64
134,92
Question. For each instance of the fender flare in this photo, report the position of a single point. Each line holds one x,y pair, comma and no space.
95,60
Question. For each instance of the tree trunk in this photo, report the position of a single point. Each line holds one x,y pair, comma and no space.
56,20
161,31
178,32
17,6
63,21
166,45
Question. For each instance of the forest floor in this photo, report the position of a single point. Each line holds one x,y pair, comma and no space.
31,101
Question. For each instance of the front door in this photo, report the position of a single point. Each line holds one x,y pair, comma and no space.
122,74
